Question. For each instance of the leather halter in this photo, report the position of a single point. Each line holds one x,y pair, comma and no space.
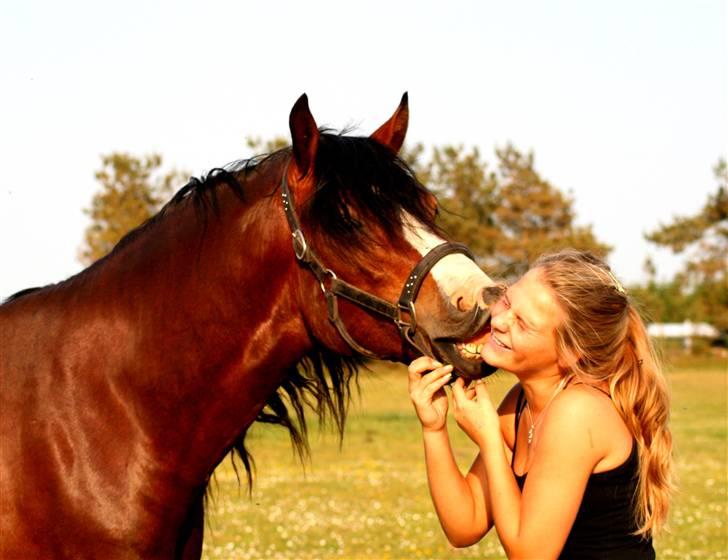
402,313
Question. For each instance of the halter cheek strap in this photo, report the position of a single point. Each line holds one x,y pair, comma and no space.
402,314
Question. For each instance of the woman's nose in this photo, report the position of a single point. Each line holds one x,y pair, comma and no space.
501,320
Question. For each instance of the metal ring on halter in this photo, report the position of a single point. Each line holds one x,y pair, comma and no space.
300,247
332,275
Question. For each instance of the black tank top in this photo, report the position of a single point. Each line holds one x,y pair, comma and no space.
604,523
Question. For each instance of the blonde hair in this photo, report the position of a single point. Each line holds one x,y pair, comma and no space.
603,339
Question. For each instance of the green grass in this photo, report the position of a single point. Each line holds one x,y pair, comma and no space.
369,498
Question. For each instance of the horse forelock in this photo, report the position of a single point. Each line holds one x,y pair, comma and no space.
361,184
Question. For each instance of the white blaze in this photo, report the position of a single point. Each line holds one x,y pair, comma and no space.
453,271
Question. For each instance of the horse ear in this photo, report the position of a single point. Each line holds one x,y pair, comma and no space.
304,136
391,134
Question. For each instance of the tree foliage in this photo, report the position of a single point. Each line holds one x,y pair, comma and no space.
703,238
132,190
509,215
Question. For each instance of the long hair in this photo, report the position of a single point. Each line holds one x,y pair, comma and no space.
603,339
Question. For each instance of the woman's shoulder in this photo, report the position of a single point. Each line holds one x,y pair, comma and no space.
585,409
582,402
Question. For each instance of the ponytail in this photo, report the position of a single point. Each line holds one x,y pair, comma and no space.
640,393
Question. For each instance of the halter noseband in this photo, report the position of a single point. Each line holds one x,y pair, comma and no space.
402,314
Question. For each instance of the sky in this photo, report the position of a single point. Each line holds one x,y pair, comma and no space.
624,104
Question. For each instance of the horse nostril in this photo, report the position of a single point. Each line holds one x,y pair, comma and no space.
461,304
490,295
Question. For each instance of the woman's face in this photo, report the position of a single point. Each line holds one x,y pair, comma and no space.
523,328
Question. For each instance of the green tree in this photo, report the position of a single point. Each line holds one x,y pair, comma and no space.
508,216
132,190
703,238
466,192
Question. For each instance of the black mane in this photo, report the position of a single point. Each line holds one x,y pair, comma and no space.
359,174
353,173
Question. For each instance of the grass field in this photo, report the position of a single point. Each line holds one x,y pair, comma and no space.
369,499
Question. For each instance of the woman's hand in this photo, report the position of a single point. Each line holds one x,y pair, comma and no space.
475,413
427,379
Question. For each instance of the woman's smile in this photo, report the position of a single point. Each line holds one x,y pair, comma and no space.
497,343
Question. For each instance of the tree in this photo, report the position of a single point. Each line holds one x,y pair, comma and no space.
260,146
466,192
703,237
508,217
132,190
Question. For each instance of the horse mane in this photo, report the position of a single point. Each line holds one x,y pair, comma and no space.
22,293
321,381
353,172
358,173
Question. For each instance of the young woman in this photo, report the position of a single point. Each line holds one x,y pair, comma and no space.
576,462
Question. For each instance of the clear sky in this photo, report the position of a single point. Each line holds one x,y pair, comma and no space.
624,103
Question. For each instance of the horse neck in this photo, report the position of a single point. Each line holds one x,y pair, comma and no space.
209,327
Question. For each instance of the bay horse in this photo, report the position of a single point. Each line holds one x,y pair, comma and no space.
253,292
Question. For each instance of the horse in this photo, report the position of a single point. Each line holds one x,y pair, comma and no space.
257,289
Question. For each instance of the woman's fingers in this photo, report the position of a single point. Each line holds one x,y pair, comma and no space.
424,371
462,394
428,383
423,363
458,392
420,366
436,380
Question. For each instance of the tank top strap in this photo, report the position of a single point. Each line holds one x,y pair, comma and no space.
520,404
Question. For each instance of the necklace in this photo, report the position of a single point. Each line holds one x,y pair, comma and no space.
534,425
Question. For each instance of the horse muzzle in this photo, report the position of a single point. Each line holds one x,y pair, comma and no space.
448,343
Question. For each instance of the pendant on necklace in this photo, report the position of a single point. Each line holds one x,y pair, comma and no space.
530,434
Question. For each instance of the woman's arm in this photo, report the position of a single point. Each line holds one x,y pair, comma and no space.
461,502
534,524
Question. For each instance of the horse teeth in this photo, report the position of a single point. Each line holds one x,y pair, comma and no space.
470,349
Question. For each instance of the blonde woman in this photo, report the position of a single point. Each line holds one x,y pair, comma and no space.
576,461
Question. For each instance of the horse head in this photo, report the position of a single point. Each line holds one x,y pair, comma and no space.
377,276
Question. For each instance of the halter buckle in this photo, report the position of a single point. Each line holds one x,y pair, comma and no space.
406,327
300,247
